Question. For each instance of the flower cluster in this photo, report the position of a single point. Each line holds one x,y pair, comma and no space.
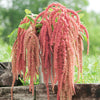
59,45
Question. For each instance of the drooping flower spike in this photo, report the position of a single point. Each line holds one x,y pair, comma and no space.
59,45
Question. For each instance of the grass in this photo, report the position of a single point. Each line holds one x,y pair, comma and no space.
91,69
5,52
91,64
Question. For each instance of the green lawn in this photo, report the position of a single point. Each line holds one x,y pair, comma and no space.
91,69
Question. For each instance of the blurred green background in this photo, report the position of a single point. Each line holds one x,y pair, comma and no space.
13,12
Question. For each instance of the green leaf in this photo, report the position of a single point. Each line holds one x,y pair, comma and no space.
84,37
27,11
13,32
52,27
38,31
56,20
12,36
38,25
30,18
50,9
25,25
39,19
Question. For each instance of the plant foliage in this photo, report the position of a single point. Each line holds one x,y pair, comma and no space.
53,39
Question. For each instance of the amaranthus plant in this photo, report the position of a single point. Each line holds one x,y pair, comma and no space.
53,39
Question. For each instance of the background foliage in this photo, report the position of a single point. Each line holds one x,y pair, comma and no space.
11,15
